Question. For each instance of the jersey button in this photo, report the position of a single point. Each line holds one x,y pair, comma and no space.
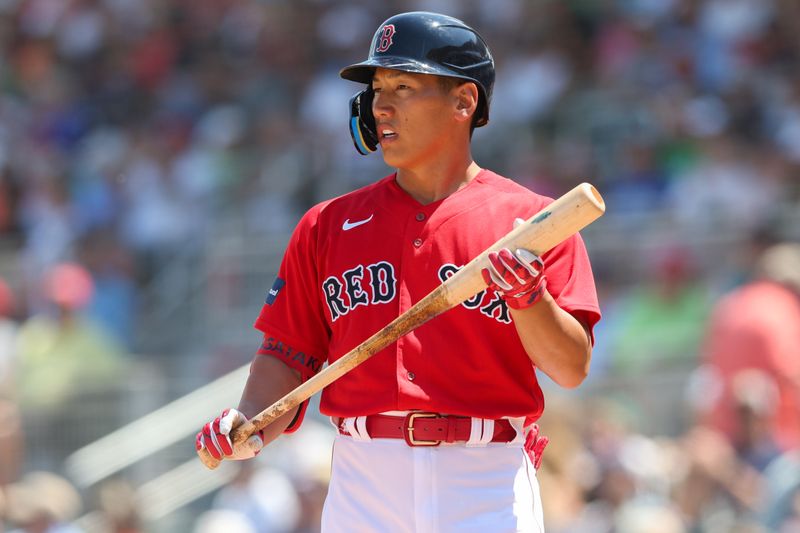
420,216
417,242
411,376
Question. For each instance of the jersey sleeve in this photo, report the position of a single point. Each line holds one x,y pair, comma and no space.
570,281
292,319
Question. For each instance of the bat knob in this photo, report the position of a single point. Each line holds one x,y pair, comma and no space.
207,459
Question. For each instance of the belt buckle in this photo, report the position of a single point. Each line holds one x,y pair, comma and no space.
408,429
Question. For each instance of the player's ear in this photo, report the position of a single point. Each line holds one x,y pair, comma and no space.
466,98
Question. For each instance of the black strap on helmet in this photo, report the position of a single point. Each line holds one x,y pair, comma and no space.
362,122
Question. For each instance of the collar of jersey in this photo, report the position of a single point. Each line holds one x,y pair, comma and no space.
407,199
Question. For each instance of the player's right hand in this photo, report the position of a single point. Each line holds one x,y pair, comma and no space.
215,438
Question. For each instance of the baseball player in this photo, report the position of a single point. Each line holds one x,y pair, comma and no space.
436,432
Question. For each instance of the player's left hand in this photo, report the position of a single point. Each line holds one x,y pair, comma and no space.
518,277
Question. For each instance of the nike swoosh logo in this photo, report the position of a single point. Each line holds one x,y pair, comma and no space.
350,225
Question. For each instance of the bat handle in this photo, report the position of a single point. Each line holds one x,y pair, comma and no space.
239,434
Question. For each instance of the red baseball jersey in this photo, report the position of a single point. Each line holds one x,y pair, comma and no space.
358,261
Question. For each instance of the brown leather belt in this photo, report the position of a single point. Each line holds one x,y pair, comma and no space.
429,429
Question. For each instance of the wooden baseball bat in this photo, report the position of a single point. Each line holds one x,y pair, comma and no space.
555,223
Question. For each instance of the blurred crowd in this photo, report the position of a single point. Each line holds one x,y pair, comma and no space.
133,129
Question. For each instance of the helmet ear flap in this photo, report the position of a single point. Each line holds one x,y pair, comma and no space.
362,122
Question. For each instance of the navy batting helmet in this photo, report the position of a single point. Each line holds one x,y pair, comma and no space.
426,43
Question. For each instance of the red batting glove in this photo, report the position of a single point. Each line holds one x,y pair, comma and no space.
535,445
518,277
215,437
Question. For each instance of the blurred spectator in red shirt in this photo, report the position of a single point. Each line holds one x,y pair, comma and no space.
757,326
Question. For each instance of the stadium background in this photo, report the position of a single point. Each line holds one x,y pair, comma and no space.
155,155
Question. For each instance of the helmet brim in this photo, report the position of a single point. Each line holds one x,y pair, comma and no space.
363,72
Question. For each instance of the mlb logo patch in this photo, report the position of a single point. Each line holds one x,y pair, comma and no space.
273,292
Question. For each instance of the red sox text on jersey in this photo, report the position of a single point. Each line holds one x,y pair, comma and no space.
377,284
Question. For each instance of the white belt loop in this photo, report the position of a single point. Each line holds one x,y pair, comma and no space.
350,423
350,426
361,428
475,433
519,426
488,431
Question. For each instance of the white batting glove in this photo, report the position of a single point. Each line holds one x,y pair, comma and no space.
215,437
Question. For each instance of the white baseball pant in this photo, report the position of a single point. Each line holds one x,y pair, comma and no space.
384,485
